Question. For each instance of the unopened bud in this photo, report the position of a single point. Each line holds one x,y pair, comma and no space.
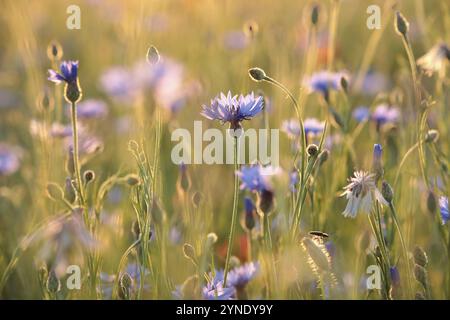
54,191
53,284
312,150
257,74
387,192
315,14
431,202
265,201
153,56
125,283
211,239
132,179
54,51
401,24
88,175
72,91
251,29
189,252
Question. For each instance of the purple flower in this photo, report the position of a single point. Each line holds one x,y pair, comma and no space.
377,152
233,109
118,82
384,114
313,126
68,74
443,206
293,180
236,40
240,276
9,159
361,114
323,82
214,289
395,276
252,178
374,83
92,108
291,127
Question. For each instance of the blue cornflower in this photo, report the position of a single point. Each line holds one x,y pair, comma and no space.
293,180
323,82
240,276
214,289
252,178
9,159
443,206
291,127
395,276
69,72
92,108
377,152
313,126
384,114
361,114
233,109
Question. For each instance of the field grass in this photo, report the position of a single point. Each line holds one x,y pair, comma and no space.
108,198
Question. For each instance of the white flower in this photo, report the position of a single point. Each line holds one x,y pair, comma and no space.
434,60
361,193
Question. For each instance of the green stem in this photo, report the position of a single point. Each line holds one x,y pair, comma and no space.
402,241
76,160
234,214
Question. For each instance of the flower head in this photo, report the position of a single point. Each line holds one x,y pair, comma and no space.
233,109
313,126
255,178
240,276
361,193
92,108
291,127
68,72
361,114
384,114
9,159
443,206
323,82
215,290
434,60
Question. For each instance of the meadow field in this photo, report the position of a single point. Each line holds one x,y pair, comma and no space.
200,149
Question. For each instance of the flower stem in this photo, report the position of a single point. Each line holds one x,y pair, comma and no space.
76,160
234,214
402,241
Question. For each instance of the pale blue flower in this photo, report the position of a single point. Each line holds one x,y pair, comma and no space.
361,114
233,109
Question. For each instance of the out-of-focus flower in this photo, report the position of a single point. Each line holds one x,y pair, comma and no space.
92,108
443,206
233,109
118,82
374,83
240,276
236,40
385,114
435,59
10,157
291,127
255,178
323,82
361,193
313,126
294,178
361,114
215,290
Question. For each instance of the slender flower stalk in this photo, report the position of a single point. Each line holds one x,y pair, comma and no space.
233,214
233,110
402,28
